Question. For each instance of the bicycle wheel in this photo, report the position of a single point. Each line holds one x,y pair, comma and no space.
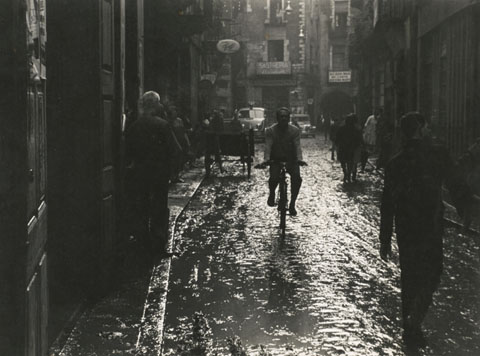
282,206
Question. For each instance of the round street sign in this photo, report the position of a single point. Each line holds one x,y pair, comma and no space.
228,46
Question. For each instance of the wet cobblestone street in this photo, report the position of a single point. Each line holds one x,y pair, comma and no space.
322,290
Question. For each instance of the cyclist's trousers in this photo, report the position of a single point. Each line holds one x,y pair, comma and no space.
293,169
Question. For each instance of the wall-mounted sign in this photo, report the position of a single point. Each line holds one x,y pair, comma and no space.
273,68
228,46
340,77
210,77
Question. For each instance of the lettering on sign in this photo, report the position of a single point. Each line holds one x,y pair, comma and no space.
269,68
228,46
340,77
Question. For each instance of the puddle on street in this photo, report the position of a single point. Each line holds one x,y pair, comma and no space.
322,290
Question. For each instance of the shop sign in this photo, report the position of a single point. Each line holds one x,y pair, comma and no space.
340,77
228,46
273,68
210,77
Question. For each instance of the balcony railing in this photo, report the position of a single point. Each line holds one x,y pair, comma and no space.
276,19
273,68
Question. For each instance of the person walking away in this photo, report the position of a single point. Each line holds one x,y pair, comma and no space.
151,146
349,142
215,129
384,140
200,136
282,143
180,134
412,195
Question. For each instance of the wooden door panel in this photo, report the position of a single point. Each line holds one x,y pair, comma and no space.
108,222
33,317
32,149
36,292
107,33
108,180
41,149
107,132
107,83
44,305
33,245
107,135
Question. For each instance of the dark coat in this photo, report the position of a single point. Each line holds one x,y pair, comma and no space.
151,146
412,196
413,192
348,140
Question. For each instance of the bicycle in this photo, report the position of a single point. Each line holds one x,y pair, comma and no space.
282,204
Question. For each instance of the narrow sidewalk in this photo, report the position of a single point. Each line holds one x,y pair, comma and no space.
129,319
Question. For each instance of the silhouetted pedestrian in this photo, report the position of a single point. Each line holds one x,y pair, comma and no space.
384,139
412,195
349,143
151,146
215,129
180,134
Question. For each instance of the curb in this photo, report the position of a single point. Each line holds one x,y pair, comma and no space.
150,336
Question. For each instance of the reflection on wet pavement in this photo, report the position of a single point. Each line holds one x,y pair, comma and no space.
322,290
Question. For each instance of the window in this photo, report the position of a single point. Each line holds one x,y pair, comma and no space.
276,11
341,21
275,51
338,58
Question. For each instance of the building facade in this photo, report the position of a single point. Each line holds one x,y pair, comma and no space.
78,69
272,73
424,56
337,85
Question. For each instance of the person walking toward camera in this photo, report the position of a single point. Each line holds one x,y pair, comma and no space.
412,196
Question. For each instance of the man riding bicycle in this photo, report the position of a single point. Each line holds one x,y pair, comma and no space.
282,144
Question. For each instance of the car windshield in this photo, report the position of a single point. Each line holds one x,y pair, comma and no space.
302,119
251,114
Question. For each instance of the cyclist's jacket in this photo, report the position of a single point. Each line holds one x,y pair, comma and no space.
283,145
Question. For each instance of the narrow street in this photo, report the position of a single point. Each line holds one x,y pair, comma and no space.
323,290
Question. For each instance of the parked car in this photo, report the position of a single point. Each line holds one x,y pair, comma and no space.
302,121
253,118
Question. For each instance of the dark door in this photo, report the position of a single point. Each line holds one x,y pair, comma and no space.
109,125
36,265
